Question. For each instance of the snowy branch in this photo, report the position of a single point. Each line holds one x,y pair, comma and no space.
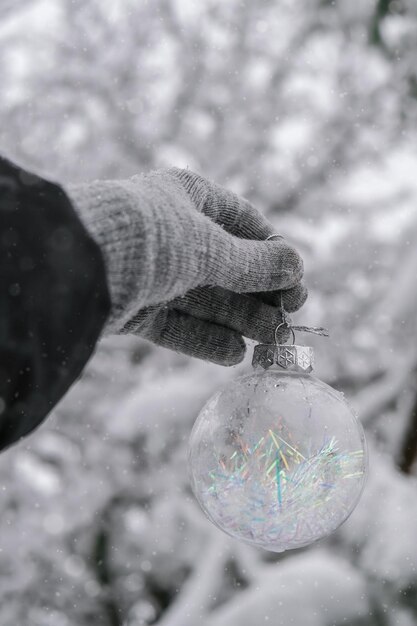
199,590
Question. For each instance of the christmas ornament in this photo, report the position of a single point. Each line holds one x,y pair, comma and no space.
278,458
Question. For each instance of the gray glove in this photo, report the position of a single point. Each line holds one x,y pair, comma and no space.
187,263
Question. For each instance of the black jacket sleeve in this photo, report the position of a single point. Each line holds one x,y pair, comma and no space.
54,299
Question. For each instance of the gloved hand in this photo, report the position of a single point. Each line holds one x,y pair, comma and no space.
187,263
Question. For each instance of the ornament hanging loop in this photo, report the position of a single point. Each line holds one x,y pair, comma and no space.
290,328
286,321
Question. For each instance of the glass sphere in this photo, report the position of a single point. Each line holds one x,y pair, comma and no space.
277,459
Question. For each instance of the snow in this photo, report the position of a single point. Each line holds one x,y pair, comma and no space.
314,589
296,108
384,525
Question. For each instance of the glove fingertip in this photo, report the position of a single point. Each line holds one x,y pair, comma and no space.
235,354
287,266
294,298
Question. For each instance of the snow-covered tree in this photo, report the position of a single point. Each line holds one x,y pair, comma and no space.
307,107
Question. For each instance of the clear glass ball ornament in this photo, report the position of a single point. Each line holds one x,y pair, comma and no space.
278,458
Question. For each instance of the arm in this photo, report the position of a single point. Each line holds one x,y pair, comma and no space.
54,299
186,264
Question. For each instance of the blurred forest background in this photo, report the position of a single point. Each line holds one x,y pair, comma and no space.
308,108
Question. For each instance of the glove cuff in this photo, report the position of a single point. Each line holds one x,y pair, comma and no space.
106,211
151,237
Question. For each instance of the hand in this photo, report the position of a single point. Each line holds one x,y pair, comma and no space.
188,265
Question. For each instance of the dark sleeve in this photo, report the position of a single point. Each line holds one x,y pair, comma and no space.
54,299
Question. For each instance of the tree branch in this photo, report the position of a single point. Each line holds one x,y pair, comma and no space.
198,591
408,449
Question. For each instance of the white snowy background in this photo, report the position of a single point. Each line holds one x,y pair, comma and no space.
308,108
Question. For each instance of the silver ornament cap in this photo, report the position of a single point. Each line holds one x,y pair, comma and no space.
288,357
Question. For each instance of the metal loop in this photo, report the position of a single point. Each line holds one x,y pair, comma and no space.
274,235
289,328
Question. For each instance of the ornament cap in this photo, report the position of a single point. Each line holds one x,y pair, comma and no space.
289,357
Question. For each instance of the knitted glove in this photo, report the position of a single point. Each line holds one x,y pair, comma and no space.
187,263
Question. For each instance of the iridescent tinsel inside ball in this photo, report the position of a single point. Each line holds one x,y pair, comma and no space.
277,459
